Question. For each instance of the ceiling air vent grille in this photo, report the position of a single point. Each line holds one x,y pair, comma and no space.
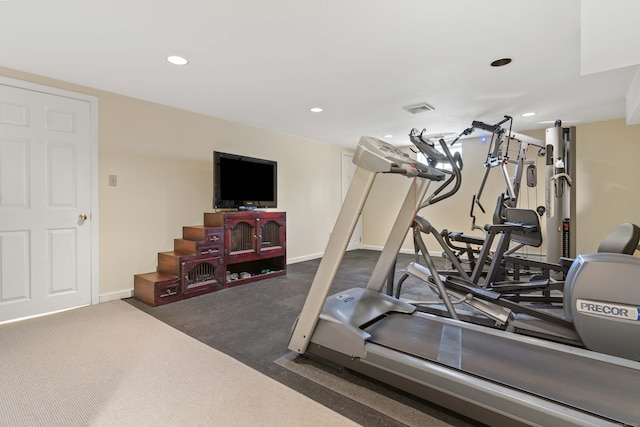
418,108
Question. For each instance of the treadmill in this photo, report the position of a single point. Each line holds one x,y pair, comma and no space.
490,375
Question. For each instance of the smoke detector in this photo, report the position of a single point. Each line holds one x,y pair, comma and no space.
418,108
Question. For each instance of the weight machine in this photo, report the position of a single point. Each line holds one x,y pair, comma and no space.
559,149
498,157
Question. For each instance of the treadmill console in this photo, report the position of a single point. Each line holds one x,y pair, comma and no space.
376,155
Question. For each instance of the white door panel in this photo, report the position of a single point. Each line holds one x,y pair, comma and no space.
45,184
14,265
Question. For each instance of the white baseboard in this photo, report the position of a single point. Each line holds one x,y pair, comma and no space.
354,246
379,249
436,254
372,248
351,247
303,258
127,293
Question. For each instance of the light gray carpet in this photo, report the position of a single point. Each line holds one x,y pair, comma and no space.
113,365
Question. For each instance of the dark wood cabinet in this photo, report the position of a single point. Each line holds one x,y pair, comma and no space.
254,244
157,288
201,274
230,249
200,240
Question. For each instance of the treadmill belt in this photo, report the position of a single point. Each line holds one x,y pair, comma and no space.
598,387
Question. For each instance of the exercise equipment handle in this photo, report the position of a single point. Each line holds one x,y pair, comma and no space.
495,129
456,177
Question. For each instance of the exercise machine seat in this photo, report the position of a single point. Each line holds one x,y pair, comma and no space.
622,240
529,233
498,218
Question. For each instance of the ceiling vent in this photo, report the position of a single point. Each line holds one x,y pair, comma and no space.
418,108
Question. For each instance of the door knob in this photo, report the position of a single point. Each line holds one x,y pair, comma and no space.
82,217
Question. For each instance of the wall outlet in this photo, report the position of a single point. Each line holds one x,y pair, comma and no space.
113,180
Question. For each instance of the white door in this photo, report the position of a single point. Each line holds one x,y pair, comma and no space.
348,170
45,192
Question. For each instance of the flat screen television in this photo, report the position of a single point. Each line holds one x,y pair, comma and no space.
244,183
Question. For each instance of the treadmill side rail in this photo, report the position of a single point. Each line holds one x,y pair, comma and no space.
463,389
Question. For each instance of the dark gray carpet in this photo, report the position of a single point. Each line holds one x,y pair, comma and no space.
252,324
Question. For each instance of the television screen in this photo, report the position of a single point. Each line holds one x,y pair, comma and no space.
241,182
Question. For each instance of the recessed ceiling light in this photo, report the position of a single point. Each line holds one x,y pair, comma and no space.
177,60
529,114
388,135
315,110
501,62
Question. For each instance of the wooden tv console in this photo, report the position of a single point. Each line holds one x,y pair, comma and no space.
230,249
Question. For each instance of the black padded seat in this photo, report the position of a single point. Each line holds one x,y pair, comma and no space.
622,240
529,232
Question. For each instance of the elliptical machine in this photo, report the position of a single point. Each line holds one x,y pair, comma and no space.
600,314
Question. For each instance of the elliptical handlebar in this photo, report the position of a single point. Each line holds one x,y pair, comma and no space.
455,161
434,157
427,148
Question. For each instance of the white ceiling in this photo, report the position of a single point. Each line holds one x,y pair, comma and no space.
265,63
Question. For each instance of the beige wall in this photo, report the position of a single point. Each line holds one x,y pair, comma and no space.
607,178
163,159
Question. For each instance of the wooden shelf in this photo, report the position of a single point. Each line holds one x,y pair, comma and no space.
253,241
247,245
